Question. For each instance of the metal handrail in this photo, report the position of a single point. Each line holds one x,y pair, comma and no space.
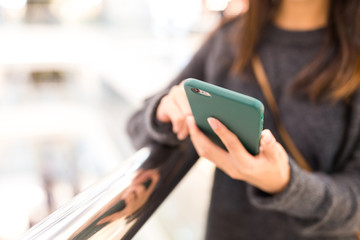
117,206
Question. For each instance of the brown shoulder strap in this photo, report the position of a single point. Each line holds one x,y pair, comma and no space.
263,82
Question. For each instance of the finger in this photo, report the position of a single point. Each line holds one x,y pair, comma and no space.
169,108
268,145
205,147
170,112
229,139
242,159
266,137
186,105
161,111
183,132
178,95
174,113
180,127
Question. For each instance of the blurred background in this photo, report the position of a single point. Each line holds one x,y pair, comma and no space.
71,73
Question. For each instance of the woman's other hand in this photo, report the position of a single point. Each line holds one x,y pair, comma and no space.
268,171
174,108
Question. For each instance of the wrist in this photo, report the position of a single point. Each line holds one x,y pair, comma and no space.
285,177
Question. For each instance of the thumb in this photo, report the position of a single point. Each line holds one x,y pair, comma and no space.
267,143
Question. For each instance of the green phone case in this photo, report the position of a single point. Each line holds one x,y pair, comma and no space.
241,114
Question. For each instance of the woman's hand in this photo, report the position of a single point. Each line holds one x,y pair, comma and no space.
174,108
268,171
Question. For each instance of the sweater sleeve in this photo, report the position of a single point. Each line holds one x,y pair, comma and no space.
143,127
318,203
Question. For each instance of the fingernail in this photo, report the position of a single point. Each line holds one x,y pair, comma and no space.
268,137
213,123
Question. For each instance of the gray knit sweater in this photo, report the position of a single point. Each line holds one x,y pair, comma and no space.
320,205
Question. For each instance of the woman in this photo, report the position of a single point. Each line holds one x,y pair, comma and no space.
310,50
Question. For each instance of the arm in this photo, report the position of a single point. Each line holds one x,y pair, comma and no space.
318,203
143,126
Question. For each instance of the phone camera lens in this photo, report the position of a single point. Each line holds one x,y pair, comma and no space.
196,90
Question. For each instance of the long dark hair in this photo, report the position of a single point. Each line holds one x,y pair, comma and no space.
335,73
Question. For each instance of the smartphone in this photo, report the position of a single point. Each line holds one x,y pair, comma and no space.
241,114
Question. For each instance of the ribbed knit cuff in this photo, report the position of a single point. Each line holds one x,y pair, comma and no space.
300,197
